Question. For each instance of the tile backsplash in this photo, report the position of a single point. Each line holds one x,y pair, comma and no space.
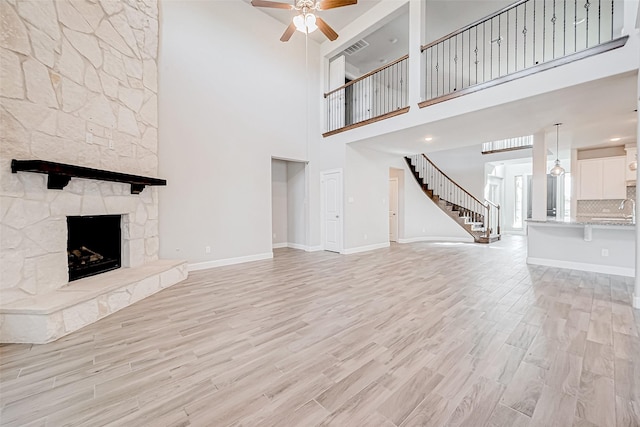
588,209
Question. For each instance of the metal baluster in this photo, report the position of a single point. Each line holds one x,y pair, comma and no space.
469,61
534,34
499,46
564,28
516,53
586,6
491,51
553,37
462,63
599,19
612,8
544,28
575,27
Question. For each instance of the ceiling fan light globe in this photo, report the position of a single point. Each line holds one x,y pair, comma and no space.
298,21
310,20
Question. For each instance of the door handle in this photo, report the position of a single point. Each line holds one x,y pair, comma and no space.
337,216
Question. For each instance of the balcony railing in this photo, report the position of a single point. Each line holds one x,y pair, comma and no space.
519,143
376,95
525,35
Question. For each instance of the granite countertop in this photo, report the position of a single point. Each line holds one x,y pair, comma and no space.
608,222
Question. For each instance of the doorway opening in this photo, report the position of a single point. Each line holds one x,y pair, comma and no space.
288,204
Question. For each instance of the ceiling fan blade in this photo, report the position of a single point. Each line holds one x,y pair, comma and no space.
288,33
326,29
332,4
271,4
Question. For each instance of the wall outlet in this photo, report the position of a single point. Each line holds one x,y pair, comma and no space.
365,236
350,199
424,230
605,252
274,235
111,144
89,138
207,249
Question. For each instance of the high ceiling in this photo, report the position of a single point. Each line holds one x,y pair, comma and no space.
336,18
592,113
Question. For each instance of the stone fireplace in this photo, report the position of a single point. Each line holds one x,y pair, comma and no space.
79,86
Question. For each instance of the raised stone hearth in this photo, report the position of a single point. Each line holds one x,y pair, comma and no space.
50,316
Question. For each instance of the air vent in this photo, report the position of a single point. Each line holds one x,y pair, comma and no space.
356,47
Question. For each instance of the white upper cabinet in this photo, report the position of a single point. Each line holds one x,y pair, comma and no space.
631,157
603,178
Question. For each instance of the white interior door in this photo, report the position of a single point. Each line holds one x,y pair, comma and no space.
331,182
337,73
393,209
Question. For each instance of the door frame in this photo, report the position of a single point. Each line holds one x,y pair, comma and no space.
323,190
397,207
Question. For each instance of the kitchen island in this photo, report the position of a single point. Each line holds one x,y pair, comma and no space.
598,246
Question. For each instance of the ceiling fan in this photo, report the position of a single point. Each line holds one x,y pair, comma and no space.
306,21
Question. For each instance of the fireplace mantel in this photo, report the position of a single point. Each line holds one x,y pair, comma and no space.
59,174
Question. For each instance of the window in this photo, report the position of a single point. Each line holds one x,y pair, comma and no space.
517,202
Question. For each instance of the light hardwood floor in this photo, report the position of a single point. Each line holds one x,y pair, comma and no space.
420,334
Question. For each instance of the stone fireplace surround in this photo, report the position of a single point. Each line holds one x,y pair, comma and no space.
78,86
47,307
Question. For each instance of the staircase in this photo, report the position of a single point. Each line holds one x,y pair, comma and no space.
480,220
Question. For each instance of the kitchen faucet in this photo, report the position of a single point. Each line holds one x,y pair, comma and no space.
633,212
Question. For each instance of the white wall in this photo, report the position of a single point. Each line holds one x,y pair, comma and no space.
279,202
232,96
296,191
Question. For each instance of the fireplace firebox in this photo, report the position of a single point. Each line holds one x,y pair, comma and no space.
93,245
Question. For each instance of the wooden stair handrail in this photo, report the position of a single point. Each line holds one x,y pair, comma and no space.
447,176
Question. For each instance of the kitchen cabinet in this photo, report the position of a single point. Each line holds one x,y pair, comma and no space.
631,157
602,178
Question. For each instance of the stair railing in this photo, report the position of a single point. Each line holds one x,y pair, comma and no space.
487,213
493,217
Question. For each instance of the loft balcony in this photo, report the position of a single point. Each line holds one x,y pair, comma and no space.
520,40
526,37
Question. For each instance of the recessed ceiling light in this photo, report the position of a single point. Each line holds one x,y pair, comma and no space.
615,139
428,139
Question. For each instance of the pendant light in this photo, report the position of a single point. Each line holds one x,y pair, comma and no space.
557,170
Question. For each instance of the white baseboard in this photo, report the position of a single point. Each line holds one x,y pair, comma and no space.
298,246
594,268
636,301
365,248
229,261
436,239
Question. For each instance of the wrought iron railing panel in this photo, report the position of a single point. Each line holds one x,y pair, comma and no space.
373,95
520,36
